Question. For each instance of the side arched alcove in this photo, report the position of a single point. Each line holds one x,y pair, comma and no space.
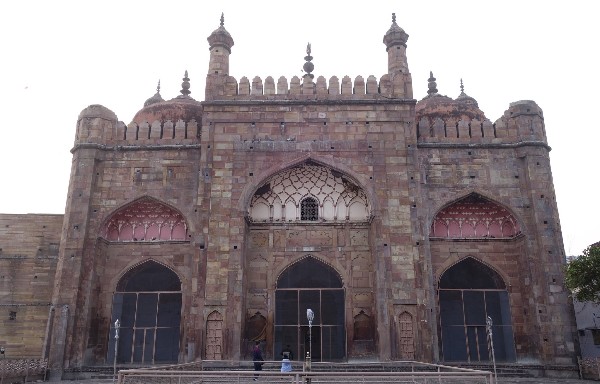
479,262
312,214
145,237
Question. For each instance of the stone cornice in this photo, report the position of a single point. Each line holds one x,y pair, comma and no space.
485,145
142,147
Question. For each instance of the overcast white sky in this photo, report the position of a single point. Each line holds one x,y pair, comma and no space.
57,57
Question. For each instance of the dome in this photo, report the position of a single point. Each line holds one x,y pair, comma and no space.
464,98
182,107
435,105
174,110
97,110
157,98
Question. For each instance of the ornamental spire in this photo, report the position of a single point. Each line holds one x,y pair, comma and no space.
222,19
308,66
185,86
432,84
462,88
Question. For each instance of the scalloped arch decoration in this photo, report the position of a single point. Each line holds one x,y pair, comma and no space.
145,220
474,217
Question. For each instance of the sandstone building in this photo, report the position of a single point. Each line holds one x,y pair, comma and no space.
203,226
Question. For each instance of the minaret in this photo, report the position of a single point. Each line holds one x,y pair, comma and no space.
395,41
220,42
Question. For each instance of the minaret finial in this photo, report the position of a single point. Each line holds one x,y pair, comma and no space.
393,18
462,87
185,86
432,84
158,87
222,19
308,66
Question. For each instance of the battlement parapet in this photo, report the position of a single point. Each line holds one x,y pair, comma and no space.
99,125
522,122
164,132
220,87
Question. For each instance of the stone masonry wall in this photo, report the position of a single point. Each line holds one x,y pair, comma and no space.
28,255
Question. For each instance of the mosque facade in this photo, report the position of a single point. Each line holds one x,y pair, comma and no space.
409,228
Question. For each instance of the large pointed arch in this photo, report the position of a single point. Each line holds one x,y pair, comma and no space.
469,293
147,303
304,187
310,284
145,220
474,216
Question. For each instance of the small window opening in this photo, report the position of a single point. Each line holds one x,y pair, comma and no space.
309,210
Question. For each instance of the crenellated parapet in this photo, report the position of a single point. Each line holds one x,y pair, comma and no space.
99,126
159,132
522,122
389,86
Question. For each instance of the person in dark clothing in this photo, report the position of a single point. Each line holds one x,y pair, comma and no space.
257,358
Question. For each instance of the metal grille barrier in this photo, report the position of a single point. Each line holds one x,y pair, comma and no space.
419,374
22,368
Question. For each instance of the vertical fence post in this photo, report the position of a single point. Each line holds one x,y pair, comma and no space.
488,326
117,326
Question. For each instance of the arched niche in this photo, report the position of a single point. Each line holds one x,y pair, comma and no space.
214,336
309,192
145,220
363,327
474,217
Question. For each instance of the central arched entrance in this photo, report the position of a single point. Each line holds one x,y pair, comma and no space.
470,292
147,303
310,284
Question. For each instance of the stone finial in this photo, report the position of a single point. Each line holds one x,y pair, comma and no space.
185,86
308,66
158,87
432,85
222,19
393,18
462,88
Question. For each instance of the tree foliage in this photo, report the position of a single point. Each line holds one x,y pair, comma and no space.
582,275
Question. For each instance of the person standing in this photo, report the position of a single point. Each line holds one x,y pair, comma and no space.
257,358
286,355
287,350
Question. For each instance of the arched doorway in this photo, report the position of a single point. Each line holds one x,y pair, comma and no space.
310,284
147,303
468,293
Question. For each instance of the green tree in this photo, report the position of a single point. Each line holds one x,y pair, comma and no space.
582,275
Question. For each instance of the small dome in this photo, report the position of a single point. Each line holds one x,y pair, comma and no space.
464,98
176,109
182,107
395,35
221,37
157,98
97,110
